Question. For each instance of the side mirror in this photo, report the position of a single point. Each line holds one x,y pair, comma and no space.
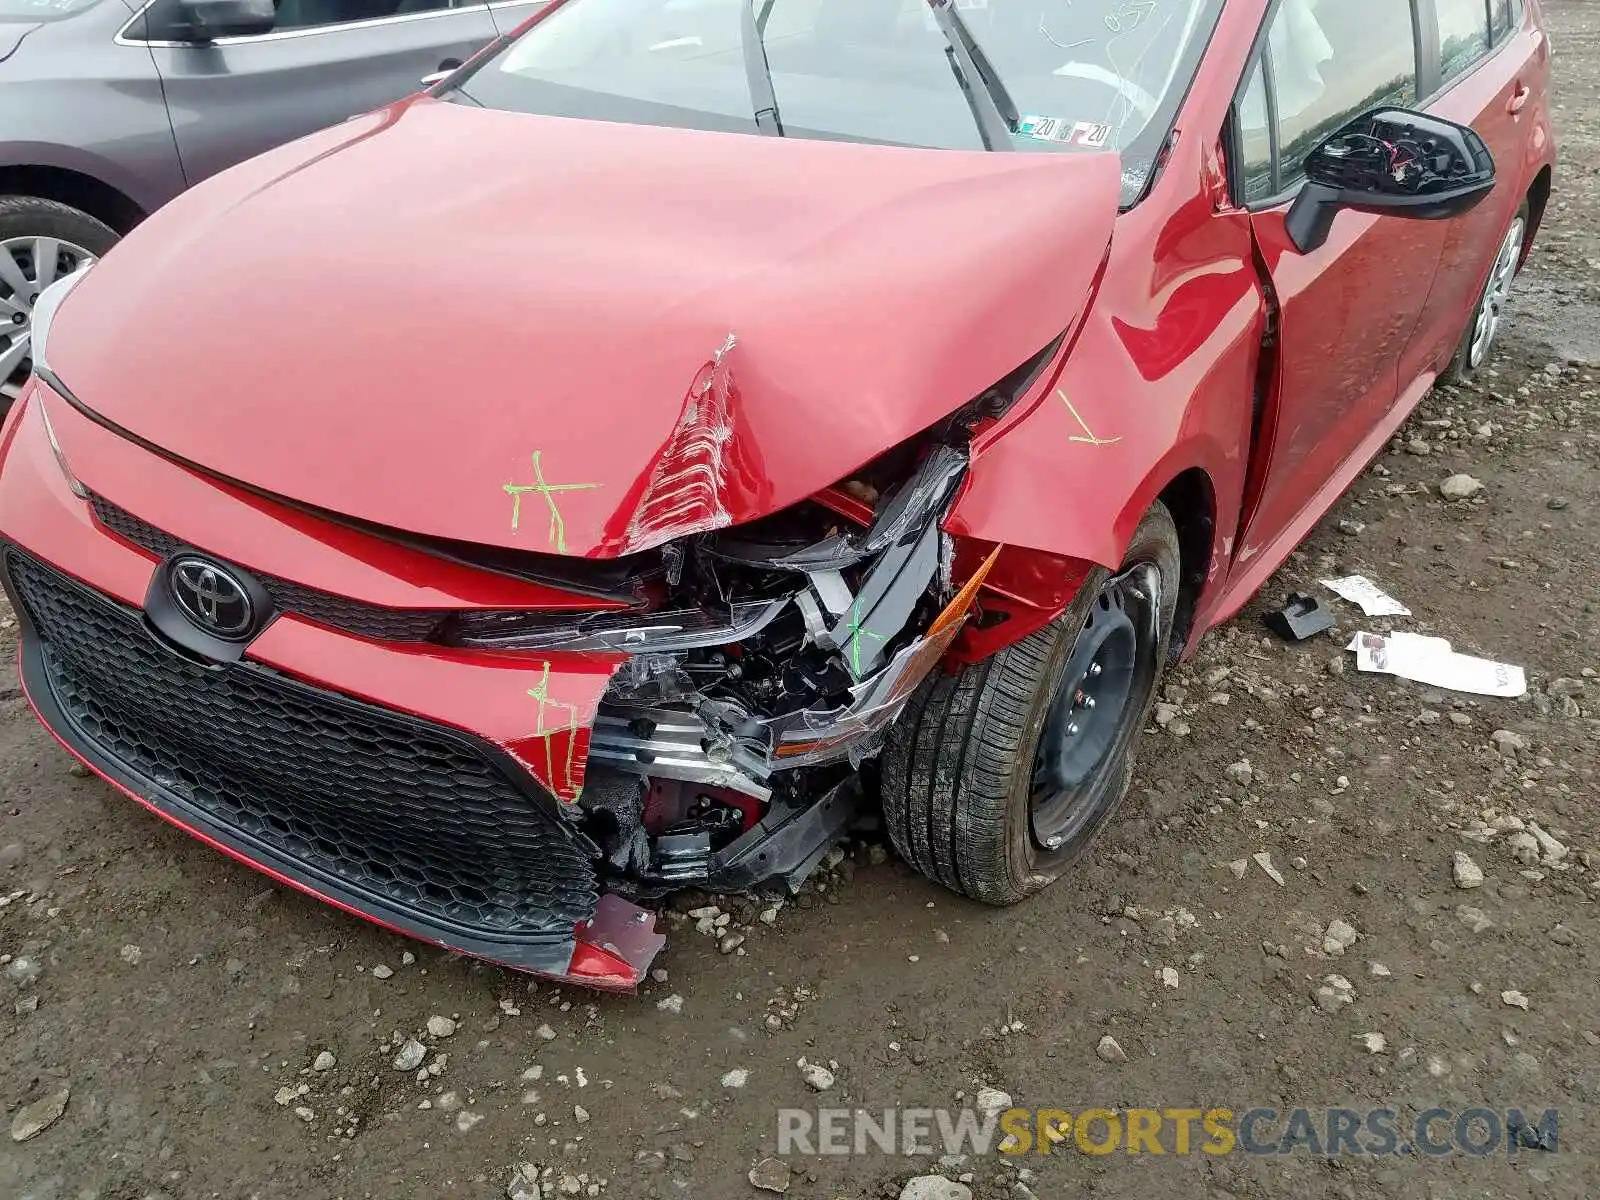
208,20
1392,162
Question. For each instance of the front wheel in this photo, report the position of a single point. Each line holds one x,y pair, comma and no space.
995,779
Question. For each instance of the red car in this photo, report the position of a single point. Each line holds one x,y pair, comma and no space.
686,432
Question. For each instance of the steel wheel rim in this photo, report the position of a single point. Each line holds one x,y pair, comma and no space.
28,265
1491,312
1098,707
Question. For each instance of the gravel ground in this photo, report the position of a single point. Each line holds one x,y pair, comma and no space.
211,1034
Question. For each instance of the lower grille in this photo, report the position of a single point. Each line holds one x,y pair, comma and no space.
390,807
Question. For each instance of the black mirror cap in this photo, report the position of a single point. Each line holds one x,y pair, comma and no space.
208,20
1394,162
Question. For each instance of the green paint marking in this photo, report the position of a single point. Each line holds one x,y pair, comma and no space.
558,527
547,735
856,634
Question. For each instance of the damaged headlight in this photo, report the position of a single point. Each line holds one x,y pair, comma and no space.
907,513
624,632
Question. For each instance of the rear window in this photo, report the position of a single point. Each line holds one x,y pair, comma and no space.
1085,76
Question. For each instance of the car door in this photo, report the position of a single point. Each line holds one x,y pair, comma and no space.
1347,311
1487,59
324,61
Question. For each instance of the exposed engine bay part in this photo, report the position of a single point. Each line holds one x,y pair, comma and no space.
726,747
908,512
695,837
822,642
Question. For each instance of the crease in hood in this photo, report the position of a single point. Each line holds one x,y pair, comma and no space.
576,337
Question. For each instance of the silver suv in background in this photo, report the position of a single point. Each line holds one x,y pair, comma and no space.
109,108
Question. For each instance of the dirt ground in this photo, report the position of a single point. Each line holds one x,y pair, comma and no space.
182,999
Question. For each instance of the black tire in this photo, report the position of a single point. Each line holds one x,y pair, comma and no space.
958,769
31,217
1462,368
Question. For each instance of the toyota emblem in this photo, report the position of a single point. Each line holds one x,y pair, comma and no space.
212,597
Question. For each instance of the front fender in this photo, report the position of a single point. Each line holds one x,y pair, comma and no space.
1159,382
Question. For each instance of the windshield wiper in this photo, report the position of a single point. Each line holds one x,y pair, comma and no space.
995,110
758,70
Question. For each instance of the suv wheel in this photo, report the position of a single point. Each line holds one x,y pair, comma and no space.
40,241
996,778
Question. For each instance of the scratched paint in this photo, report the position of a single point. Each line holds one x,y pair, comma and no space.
541,487
1088,437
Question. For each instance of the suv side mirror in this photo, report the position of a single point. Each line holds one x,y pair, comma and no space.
208,20
1392,162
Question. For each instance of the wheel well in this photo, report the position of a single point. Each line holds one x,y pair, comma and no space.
1193,505
99,200
1538,201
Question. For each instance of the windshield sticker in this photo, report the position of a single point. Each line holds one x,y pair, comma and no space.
1092,134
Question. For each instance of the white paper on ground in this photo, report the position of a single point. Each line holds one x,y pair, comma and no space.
1430,660
1374,601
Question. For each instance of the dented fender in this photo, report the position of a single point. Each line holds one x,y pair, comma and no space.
1157,382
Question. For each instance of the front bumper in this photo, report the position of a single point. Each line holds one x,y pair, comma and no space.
356,771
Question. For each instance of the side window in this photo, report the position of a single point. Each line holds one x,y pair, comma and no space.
1463,34
1327,61
1331,61
309,14
1255,139
1500,19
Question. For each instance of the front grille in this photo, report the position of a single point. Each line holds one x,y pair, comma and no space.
338,612
389,806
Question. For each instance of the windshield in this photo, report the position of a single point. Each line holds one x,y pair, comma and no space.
42,10
1084,75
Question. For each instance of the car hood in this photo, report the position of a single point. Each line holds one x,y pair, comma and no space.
11,35
576,337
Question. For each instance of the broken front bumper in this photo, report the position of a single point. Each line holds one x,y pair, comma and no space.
420,828
414,787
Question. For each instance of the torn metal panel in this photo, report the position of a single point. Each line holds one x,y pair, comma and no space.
686,490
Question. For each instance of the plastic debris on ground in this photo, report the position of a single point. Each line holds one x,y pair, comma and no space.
1374,601
1430,660
1301,618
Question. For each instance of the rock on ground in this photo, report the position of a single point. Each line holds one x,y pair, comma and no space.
33,1119
934,1187
1466,873
770,1175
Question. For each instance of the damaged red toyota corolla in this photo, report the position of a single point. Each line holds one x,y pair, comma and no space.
700,425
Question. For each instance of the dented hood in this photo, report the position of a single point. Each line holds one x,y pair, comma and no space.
576,337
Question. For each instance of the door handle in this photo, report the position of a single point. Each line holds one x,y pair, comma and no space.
1519,99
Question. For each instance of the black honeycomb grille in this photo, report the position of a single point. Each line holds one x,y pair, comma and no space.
387,805
338,612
